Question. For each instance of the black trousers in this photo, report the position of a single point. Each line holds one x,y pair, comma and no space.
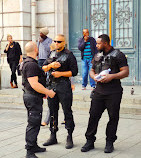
13,67
98,104
63,96
34,108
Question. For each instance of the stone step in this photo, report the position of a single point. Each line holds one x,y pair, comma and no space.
18,98
124,108
11,99
132,99
12,92
81,99
13,95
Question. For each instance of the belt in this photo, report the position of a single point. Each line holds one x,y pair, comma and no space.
57,80
33,93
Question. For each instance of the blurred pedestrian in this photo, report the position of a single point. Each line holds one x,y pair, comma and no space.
87,46
14,57
47,119
43,46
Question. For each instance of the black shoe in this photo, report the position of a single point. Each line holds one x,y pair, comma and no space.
38,149
52,140
88,146
69,142
109,148
31,155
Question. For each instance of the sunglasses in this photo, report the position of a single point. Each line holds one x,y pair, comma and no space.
58,41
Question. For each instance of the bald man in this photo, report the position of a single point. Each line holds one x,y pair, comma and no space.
34,82
61,65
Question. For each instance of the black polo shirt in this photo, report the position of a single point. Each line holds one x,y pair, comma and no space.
114,86
70,64
31,69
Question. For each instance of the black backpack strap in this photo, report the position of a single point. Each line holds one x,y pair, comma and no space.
24,62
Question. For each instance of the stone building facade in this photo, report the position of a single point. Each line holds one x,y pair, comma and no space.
120,19
23,19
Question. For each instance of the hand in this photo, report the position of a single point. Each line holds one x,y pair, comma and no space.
45,97
86,38
20,60
95,78
56,74
51,93
40,39
72,87
106,78
55,65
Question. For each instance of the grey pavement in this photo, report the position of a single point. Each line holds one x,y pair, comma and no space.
13,122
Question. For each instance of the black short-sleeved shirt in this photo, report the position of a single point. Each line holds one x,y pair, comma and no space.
31,69
117,61
70,64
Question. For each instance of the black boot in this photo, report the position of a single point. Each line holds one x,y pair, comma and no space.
30,154
69,142
88,146
52,140
38,149
109,148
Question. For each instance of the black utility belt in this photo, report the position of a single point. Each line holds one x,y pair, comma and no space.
56,80
33,93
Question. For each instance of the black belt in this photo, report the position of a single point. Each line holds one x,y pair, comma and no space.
33,93
57,80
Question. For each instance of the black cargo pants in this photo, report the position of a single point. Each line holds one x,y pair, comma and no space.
63,96
13,66
33,105
98,104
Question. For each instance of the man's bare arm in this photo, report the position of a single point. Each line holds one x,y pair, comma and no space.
33,81
58,74
53,65
93,74
124,72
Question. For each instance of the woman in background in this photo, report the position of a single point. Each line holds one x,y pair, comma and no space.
14,57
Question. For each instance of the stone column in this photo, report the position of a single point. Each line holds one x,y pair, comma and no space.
61,18
17,23
33,16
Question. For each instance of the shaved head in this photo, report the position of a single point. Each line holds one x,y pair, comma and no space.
60,37
59,41
85,30
30,47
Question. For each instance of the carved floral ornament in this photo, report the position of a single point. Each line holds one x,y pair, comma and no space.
98,17
124,15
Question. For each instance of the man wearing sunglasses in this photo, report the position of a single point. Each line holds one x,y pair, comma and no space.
62,66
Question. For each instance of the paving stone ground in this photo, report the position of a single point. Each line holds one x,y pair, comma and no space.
12,134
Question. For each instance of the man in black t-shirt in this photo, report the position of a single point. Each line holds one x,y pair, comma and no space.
60,66
108,92
34,82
